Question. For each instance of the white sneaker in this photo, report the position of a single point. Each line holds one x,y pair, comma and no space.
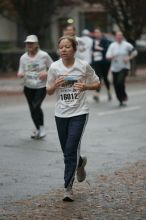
41,133
68,195
34,134
81,172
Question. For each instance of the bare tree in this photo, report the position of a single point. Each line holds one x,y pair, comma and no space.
33,15
129,15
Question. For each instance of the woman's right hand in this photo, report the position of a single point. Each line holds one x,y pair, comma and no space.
59,82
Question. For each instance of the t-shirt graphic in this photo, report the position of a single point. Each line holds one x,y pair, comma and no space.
68,94
32,76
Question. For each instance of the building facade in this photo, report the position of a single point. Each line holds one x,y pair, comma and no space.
8,31
81,16
84,16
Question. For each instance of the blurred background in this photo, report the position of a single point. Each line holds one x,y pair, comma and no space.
48,18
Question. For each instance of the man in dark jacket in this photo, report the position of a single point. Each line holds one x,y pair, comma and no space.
99,62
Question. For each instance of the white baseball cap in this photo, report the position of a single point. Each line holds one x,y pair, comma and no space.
31,39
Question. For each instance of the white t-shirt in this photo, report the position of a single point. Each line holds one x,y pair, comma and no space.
31,67
87,52
69,101
80,47
120,51
97,55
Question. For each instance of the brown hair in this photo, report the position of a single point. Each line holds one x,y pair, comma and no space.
71,39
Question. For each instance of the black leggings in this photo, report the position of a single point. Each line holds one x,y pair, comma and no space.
119,79
35,98
102,69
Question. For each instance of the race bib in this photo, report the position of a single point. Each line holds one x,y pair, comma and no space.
32,75
68,95
32,78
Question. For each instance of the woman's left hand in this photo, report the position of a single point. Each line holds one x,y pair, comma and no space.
80,86
43,75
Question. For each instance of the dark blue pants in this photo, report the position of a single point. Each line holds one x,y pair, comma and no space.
70,131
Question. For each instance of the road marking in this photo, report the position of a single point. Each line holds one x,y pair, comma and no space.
124,109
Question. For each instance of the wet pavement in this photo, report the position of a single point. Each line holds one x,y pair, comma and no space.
114,142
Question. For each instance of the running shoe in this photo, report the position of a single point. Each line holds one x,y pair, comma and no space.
41,133
122,104
34,134
96,98
81,172
68,195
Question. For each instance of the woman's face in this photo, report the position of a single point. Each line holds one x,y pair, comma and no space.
97,34
119,37
70,31
31,47
66,49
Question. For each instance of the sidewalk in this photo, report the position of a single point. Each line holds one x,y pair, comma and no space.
12,85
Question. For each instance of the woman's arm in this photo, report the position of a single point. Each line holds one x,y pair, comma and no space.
21,71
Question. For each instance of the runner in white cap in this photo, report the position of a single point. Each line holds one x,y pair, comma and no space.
33,67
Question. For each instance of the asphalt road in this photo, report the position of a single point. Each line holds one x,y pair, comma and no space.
114,137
